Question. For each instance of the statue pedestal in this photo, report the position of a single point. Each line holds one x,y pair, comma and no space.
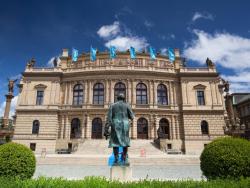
121,173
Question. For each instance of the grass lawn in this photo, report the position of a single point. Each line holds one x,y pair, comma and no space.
95,182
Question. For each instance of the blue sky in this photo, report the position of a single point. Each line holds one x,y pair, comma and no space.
219,30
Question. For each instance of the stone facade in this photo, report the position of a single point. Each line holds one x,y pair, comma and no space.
180,109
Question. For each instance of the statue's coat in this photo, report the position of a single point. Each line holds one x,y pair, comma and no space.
118,118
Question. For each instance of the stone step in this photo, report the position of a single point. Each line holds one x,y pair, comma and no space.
101,147
103,160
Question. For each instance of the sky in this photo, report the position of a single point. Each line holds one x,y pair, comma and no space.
216,29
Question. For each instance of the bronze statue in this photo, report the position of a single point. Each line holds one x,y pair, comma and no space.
55,61
31,63
118,119
209,63
225,85
11,85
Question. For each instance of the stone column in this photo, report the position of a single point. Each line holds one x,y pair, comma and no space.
174,93
83,126
89,127
107,92
90,88
71,93
67,127
173,128
151,93
64,127
212,93
85,100
156,126
183,91
9,97
134,131
171,93
155,92
133,93
111,91
218,94
177,127
129,91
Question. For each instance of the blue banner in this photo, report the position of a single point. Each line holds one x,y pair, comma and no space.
152,53
112,52
132,53
171,55
74,54
93,54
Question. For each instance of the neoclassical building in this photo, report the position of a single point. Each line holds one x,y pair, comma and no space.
61,106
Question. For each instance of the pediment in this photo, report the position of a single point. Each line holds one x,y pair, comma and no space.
40,86
199,86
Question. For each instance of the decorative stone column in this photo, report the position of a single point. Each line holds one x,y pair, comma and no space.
133,93
9,97
134,129
155,96
107,93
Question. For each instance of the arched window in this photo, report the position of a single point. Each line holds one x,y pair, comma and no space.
142,128
119,88
96,128
141,94
78,94
35,127
98,94
162,94
163,131
204,127
75,128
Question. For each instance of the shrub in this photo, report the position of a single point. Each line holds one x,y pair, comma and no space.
16,161
226,158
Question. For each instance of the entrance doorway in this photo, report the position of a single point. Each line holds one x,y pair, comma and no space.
75,131
96,128
163,131
142,128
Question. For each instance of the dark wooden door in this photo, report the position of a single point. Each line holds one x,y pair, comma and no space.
96,128
142,128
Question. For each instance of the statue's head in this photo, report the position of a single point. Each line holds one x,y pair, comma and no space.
120,97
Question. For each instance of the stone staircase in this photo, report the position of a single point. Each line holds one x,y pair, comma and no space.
100,147
96,152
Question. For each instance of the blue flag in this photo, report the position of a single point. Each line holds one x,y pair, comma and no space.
74,54
152,53
93,54
112,52
132,53
171,55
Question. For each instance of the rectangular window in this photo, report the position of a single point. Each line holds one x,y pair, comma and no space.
169,146
33,146
200,97
39,97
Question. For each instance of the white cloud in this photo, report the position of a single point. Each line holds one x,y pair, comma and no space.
228,50
124,43
12,107
121,37
164,51
50,63
204,15
240,82
148,24
107,31
172,36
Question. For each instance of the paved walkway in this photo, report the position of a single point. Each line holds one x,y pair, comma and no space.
166,172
